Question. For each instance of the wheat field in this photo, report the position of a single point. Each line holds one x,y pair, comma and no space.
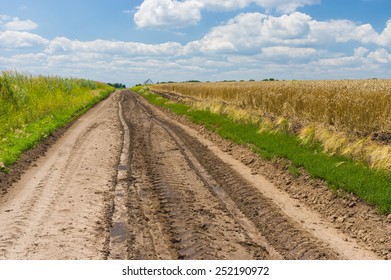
348,117
362,106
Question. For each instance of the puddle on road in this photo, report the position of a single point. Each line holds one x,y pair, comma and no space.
119,232
122,167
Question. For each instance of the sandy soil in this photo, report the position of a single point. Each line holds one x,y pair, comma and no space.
56,210
127,181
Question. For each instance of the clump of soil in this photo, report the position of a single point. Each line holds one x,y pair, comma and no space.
383,137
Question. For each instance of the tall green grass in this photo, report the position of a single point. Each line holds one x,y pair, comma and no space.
32,107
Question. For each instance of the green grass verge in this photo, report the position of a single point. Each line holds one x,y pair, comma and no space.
32,108
339,172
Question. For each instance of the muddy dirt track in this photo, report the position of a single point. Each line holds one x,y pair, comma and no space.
127,182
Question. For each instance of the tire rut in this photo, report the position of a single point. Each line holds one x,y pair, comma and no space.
180,209
184,201
284,235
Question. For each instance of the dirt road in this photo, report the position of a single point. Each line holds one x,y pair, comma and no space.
127,182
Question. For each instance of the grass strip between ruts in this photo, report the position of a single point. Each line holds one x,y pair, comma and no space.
374,187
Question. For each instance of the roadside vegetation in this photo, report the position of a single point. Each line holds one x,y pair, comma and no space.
31,108
273,136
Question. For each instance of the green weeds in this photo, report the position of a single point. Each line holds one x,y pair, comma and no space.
31,108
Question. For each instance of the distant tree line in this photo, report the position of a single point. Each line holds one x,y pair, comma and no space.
117,85
171,82
228,81
197,81
269,80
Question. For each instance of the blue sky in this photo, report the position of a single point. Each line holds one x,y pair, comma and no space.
130,41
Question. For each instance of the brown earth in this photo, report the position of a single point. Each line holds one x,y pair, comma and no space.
127,181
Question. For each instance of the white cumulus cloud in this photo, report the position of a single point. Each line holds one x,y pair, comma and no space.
288,52
285,6
16,24
175,13
20,25
61,45
162,13
17,39
359,57
249,32
384,39
380,56
13,33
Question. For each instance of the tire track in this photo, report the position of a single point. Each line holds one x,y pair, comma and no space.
188,216
27,223
260,221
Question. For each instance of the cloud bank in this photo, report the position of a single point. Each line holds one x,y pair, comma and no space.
256,45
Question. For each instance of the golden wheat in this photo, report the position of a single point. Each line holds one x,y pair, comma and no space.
341,115
362,106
